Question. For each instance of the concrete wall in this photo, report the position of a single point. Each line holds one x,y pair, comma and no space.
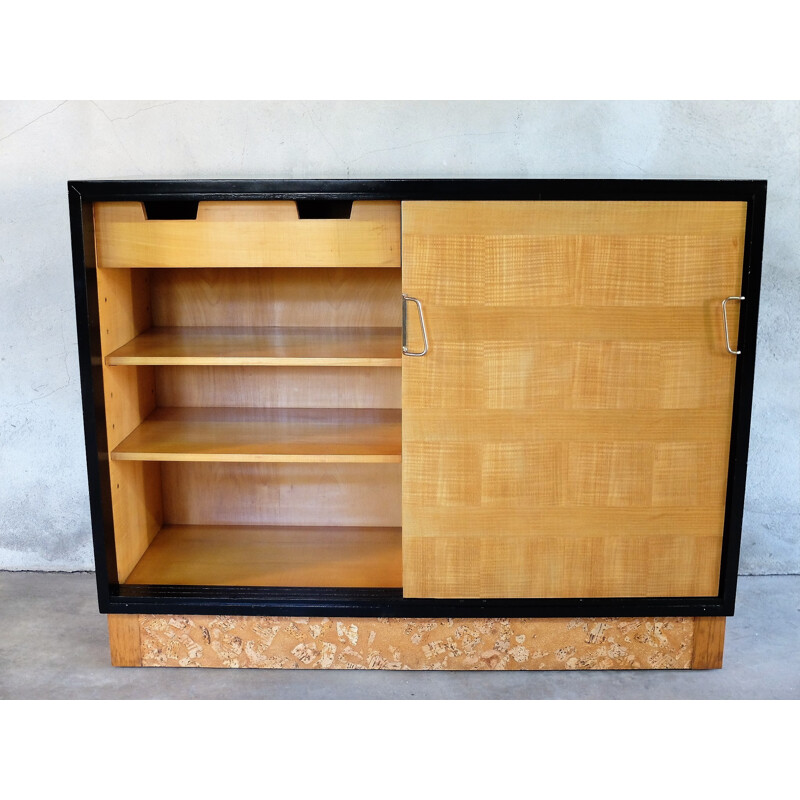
44,510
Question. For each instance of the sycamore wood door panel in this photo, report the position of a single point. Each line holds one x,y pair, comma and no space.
567,433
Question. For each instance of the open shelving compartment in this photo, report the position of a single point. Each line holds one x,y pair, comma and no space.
251,372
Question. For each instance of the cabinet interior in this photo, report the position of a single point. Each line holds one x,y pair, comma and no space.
253,401
567,436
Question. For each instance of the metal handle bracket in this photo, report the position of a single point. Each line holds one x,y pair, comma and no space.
725,323
406,351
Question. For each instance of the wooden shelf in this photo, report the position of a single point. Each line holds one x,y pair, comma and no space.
276,346
214,555
264,435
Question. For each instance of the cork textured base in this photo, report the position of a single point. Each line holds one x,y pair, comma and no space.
416,644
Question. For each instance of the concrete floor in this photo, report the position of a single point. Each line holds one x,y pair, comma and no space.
55,646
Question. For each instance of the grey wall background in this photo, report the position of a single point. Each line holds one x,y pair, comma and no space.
44,506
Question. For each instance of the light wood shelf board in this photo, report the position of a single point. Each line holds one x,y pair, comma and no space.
265,435
354,557
269,346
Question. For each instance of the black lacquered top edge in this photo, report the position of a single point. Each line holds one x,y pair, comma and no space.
417,189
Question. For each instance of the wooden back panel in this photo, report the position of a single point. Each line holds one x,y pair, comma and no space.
567,434
326,495
278,387
304,298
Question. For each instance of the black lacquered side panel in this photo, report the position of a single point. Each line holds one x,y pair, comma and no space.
94,419
743,396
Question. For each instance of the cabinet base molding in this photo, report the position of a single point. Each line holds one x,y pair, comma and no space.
416,644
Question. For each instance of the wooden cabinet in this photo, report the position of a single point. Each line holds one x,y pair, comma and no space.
573,441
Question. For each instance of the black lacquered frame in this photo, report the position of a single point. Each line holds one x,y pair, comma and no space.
116,598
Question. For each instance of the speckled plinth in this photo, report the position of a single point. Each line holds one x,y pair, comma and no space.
416,644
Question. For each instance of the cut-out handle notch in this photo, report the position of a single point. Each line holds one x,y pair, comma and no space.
324,209
170,209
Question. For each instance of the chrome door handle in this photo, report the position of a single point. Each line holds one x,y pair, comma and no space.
725,323
406,351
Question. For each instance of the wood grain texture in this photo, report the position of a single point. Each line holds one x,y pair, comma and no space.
136,501
709,642
264,435
208,493
559,218
129,397
209,555
535,564
416,644
124,639
124,312
241,346
247,235
124,309
238,211
301,298
279,387
568,432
